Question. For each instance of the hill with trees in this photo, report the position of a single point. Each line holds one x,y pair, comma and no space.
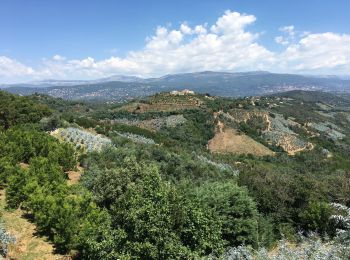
150,187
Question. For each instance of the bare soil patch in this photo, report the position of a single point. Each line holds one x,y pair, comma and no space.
228,140
74,176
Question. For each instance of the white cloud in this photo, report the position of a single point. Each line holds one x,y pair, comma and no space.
232,22
58,57
288,37
281,40
289,30
185,29
319,52
12,68
226,45
200,29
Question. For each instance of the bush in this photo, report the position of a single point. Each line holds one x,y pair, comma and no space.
235,210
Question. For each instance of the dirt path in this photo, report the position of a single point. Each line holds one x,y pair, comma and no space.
29,246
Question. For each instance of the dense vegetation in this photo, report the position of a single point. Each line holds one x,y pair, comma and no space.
169,198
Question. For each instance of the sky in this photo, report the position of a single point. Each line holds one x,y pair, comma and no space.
65,39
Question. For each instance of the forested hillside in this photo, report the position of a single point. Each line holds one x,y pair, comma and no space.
180,176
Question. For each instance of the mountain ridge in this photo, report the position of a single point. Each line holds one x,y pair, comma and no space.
227,84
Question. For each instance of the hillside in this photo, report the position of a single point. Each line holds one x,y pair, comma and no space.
174,175
121,88
316,96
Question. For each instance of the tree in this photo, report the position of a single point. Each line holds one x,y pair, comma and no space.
235,210
18,110
15,193
316,217
157,223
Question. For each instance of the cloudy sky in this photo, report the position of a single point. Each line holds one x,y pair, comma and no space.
91,39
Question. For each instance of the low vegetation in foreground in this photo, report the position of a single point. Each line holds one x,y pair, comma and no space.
153,187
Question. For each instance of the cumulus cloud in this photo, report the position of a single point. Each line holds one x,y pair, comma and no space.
288,37
10,67
289,30
281,40
226,45
319,52
58,57
200,29
185,29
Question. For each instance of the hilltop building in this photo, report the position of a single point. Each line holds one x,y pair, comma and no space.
182,92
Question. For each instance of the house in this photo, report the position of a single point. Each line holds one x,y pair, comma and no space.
182,92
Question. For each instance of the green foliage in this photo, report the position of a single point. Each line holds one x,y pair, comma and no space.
23,144
172,199
235,209
51,123
16,110
6,169
56,208
138,131
266,234
97,239
15,193
316,218
157,223
195,133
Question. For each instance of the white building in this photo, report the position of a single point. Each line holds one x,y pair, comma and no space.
182,92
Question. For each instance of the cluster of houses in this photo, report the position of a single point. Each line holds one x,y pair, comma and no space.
182,92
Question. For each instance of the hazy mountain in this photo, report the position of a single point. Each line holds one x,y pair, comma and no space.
61,83
121,78
216,83
46,83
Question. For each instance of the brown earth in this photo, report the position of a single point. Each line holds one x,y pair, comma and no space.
24,166
228,140
74,176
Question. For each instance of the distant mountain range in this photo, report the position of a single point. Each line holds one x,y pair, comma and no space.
227,84
62,83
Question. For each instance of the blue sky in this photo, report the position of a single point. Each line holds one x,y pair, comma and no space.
89,39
